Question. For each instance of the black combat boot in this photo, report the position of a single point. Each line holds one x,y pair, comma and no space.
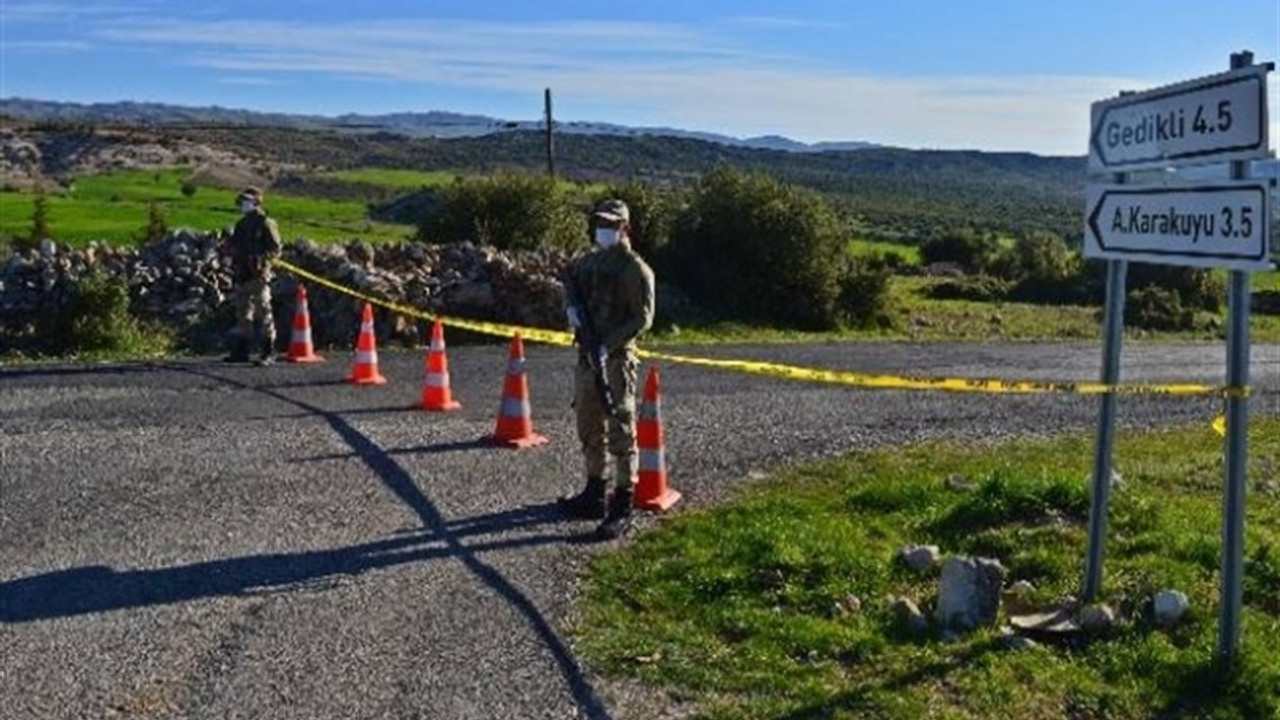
268,356
588,504
619,520
239,350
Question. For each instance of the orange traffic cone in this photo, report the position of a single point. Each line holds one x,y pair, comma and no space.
435,388
364,371
652,492
515,426
300,348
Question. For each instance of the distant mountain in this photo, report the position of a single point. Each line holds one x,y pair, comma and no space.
435,124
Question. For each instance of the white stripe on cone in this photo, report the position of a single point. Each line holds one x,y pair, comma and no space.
651,460
366,357
436,380
512,407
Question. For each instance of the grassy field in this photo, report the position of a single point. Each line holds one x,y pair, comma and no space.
114,207
741,611
406,180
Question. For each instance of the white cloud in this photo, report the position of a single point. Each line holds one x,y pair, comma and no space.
658,73
46,46
247,80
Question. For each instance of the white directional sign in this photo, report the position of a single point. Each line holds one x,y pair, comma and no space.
1210,119
1214,225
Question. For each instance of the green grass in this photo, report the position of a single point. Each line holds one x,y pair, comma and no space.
731,611
407,180
113,207
909,253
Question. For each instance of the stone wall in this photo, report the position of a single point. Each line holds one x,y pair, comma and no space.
183,283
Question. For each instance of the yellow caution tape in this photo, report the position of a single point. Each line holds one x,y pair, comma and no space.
838,377
550,337
1220,425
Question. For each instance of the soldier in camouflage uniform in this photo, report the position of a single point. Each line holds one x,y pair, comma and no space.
609,295
255,241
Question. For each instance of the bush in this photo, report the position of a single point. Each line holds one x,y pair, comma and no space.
863,299
976,253
96,318
979,288
1196,288
507,211
189,189
1044,270
156,227
1157,308
753,249
650,217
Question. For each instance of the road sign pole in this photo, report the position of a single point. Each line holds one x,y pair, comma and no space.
1237,446
1117,270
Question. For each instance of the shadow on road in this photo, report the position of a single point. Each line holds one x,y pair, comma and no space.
97,588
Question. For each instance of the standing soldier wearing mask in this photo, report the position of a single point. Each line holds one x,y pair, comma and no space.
609,303
255,242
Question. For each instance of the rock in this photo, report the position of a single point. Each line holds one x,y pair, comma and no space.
1019,642
1017,597
908,615
956,481
920,557
969,592
851,604
1097,618
186,276
1169,607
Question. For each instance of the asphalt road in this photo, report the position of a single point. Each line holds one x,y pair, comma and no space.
193,540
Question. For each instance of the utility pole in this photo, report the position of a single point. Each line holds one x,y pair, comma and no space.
551,158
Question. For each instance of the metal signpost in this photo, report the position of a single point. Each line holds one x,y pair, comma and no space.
1220,119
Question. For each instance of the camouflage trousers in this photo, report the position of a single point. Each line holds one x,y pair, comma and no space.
596,423
252,300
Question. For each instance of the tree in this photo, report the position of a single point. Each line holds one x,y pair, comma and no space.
39,222
509,211
755,249
156,227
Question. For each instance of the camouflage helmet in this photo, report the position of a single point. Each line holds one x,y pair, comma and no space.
613,210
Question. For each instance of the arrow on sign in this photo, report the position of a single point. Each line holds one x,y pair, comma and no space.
1223,225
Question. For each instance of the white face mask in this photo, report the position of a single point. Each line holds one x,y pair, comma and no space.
607,237
247,206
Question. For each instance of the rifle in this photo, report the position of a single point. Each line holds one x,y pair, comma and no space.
588,341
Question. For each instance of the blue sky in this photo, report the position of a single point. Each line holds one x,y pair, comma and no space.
966,74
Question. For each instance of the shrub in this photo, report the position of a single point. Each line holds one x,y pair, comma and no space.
156,227
650,217
96,318
189,189
979,288
508,211
39,224
974,252
1157,308
1044,270
754,249
1196,288
863,299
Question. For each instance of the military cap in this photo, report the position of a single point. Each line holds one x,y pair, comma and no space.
613,210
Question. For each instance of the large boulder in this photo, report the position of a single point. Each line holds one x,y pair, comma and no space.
969,593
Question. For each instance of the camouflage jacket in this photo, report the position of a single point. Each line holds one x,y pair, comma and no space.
254,242
614,288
